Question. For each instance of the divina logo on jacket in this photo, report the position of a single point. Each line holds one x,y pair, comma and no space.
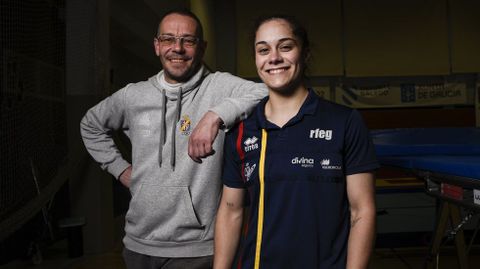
304,162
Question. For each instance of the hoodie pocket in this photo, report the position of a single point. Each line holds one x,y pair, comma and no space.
163,213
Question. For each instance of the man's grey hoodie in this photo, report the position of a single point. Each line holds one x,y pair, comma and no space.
174,199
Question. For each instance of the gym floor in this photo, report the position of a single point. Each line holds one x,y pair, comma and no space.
56,257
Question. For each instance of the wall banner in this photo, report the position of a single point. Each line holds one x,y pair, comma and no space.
405,95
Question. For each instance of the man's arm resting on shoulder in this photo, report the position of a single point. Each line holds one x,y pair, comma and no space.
360,192
236,101
228,227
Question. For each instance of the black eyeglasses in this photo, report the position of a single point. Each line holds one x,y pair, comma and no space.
170,40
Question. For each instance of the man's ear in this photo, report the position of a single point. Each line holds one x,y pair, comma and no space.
203,46
156,46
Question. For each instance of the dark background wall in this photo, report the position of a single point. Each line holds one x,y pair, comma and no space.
58,58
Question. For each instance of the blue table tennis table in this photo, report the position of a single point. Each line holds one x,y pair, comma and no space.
448,160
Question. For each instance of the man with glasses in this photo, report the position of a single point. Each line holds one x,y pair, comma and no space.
170,221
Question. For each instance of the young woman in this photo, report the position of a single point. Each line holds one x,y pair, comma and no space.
305,164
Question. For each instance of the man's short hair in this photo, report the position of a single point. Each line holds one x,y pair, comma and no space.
187,13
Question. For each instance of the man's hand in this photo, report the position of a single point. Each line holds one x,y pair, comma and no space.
202,137
125,176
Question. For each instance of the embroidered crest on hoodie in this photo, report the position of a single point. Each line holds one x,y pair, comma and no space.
185,125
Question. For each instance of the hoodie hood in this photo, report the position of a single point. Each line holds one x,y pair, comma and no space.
172,91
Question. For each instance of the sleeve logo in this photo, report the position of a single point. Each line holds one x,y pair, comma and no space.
248,170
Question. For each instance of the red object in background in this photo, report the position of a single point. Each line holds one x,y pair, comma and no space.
452,191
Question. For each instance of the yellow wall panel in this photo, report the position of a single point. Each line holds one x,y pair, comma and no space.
321,18
204,11
396,38
465,25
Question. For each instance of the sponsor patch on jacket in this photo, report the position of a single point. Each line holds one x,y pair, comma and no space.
327,166
303,161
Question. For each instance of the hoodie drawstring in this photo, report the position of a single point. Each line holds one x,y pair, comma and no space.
177,118
162,127
178,106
